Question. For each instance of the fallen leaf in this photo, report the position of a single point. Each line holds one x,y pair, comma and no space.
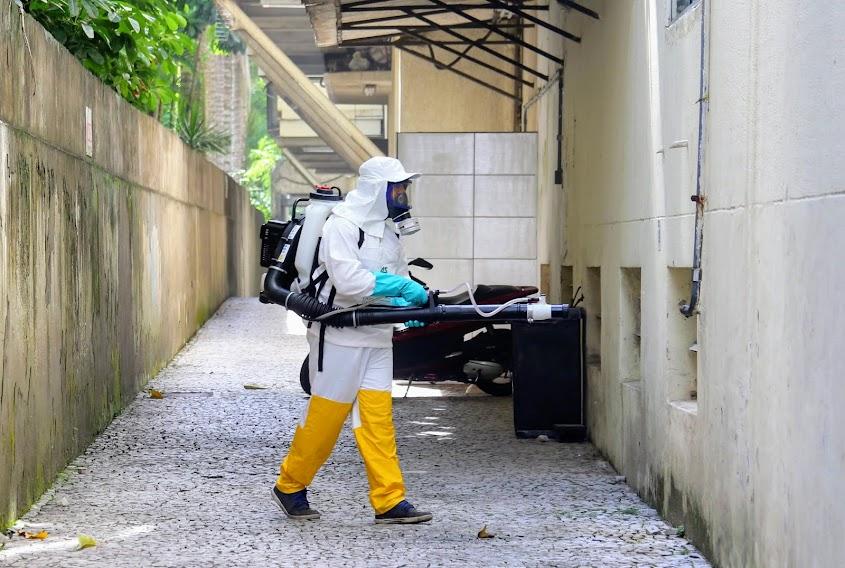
41,535
85,541
484,534
156,393
250,386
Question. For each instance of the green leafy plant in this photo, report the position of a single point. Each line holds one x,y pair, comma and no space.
256,127
134,46
258,177
197,133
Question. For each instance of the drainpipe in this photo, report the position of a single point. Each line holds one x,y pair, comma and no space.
559,170
538,95
689,309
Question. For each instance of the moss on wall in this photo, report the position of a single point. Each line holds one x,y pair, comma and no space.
108,264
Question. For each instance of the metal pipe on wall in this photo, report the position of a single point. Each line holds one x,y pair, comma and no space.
689,309
539,95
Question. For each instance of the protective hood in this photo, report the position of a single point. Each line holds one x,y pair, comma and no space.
366,205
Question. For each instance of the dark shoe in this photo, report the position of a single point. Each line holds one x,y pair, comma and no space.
404,513
295,505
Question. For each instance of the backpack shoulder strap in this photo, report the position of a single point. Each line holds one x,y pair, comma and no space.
321,342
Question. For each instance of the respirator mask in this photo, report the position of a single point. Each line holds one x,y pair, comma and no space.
398,208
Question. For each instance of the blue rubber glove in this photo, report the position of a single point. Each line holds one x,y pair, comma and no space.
391,285
414,323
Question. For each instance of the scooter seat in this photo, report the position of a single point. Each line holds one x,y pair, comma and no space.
462,298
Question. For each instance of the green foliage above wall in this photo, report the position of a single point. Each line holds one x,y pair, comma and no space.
147,50
136,47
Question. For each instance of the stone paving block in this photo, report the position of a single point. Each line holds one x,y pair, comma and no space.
185,480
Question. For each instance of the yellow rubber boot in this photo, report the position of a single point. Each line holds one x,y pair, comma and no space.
377,443
312,444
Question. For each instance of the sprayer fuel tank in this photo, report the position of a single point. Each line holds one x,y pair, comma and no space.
321,202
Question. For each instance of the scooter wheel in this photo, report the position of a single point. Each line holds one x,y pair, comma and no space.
304,377
496,389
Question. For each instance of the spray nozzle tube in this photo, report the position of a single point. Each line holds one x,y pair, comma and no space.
312,309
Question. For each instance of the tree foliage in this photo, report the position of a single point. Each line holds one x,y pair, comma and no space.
147,50
136,47
258,177
197,133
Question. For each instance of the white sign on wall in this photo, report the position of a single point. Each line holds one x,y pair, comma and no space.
89,132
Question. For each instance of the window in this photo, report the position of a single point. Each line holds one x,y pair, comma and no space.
678,7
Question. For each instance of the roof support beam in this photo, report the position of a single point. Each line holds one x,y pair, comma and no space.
498,29
579,8
361,3
531,18
403,16
315,109
354,9
464,55
480,45
467,76
354,26
385,40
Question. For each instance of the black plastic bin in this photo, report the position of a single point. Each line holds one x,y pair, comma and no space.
549,378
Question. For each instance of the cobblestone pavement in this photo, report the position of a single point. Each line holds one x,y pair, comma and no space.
185,480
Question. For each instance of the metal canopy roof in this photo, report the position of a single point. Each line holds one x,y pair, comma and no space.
461,28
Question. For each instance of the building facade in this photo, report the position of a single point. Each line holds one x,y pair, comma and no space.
728,420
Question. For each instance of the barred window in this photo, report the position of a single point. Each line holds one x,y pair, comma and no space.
678,7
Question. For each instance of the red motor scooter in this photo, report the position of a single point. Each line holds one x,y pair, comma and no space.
474,352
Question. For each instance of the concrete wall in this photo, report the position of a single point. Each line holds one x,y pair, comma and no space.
743,441
477,205
427,99
109,262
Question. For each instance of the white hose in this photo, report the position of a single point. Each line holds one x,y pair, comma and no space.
475,304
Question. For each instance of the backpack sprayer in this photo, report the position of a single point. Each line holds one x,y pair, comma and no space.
289,250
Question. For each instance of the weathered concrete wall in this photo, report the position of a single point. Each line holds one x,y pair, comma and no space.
108,263
426,99
754,464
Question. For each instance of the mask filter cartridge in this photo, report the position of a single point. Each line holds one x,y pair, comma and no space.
406,224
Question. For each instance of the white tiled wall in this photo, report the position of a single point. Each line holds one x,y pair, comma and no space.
443,196
506,196
510,271
505,237
436,153
477,203
441,237
506,153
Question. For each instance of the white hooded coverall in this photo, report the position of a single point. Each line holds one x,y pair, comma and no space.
357,363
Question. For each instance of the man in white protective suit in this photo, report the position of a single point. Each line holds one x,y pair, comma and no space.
351,369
